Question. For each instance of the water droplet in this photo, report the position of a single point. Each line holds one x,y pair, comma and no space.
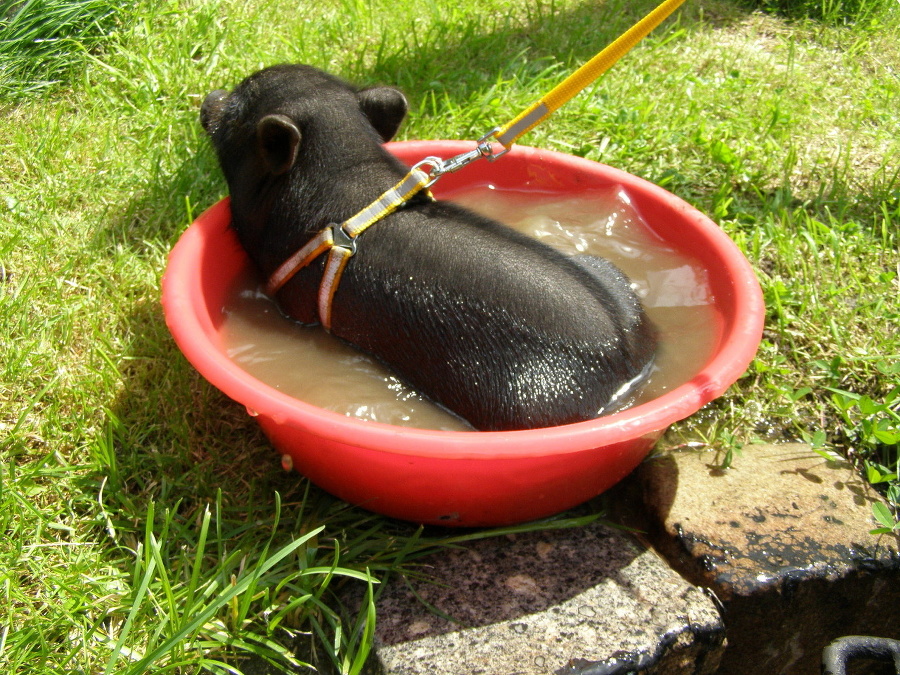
252,412
287,463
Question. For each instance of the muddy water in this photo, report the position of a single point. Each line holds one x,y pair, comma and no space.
310,365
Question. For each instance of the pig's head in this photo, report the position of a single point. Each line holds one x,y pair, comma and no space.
289,134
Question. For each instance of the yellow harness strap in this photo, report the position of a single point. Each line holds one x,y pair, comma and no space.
340,242
581,78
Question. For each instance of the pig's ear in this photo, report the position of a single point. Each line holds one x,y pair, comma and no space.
278,139
385,107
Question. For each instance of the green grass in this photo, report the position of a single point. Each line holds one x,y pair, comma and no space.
143,517
43,41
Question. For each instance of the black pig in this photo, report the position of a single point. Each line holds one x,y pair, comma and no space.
495,326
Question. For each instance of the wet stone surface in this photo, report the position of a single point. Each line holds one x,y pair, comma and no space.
782,539
585,600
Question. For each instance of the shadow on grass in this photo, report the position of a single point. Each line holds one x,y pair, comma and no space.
478,72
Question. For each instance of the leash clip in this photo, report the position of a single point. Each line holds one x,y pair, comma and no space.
438,166
483,148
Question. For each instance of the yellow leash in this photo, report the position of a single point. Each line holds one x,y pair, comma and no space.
340,239
581,78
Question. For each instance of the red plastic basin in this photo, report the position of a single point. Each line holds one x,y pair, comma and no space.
469,478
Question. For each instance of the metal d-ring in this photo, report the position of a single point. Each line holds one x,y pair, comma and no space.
437,169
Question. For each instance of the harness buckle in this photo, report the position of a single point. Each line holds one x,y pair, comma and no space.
340,238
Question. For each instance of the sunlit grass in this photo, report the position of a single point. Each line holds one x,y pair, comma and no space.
143,514
43,41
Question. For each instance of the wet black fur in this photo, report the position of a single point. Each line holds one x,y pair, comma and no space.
497,327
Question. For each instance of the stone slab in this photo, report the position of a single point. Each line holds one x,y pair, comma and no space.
584,600
782,539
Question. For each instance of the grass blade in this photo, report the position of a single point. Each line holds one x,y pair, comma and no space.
219,602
